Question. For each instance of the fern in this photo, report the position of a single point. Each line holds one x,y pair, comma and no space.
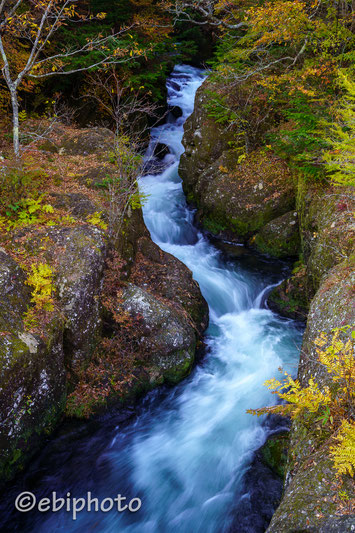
332,406
343,453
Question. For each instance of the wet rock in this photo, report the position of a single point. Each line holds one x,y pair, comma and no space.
169,338
161,150
274,453
175,111
291,298
280,237
261,490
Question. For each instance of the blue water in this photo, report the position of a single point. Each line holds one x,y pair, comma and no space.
185,450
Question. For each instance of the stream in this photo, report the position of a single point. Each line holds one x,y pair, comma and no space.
184,450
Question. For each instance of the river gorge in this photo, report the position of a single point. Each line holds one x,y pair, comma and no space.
183,451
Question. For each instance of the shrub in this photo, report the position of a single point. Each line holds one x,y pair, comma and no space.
328,408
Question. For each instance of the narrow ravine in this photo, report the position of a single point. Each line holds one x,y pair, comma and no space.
185,450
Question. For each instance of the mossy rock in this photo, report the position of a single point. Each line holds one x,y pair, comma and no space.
48,146
311,499
204,140
169,338
77,255
274,453
309,504
234,200
326,229
87,141
14,294
279,238
291,298
77,204
32,391
332,306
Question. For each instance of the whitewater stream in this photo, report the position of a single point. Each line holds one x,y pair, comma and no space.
185,450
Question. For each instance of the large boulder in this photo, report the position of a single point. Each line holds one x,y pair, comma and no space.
169,338
35,360
236,200
32,377
280,237
167,277
311,501
77,255
236,195
87,141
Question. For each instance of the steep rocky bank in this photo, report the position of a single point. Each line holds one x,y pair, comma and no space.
258,201
126,315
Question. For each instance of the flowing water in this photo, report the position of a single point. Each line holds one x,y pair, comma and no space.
185,450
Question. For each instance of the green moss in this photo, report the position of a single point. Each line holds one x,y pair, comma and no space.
26,445
274,453
181,370
212,225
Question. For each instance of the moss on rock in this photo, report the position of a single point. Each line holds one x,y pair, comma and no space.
279,238
311,500
274,453
87,141
234,199
291,298
327,234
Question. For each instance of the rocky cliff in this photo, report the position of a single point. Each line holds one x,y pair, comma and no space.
126,315
256,200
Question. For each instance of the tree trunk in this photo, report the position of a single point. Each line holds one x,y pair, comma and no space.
15,121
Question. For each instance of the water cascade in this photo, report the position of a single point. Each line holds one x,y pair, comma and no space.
185,450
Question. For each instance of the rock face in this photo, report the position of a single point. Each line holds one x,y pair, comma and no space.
204,141
169,337
254,200
311,502
280,237
32,378
327,231
42,366
81,263
234,199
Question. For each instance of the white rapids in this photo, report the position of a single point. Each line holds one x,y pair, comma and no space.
187,449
